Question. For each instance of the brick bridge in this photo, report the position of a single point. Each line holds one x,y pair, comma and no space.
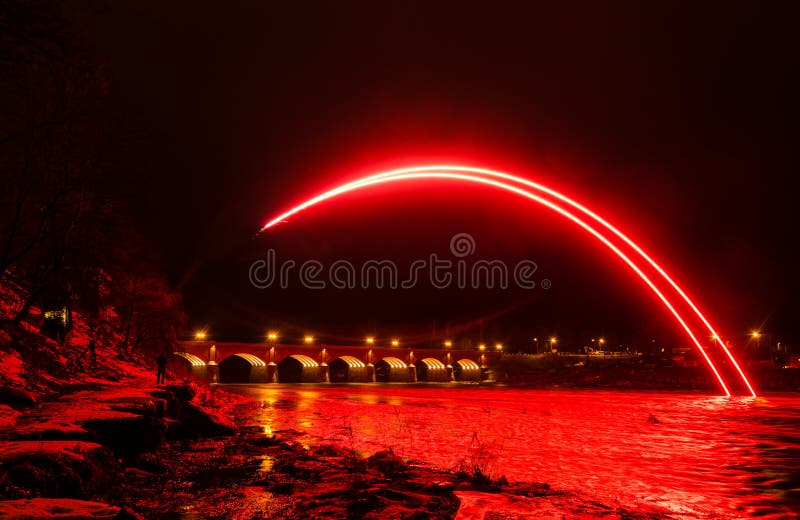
219,362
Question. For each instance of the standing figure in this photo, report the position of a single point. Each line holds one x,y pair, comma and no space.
90,348
161,363
92,354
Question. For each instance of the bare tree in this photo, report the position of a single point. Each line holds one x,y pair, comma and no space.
48,127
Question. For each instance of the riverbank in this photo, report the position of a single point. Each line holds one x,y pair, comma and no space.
159,452
73,453
257,475
626,372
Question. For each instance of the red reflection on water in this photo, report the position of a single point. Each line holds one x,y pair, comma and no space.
707,455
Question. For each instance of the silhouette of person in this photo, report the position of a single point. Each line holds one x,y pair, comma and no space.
90,348
161,363
92,354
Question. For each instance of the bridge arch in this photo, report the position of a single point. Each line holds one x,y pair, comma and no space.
574,212
349,369
392,369
432,369
466,370
190,358
242,368
192,366
299,368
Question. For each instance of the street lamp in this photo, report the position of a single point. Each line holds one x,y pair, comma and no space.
553,341
448,344
308,340
498,346
395,343
272,339
370,340
757,336
481,347
200,335
536,341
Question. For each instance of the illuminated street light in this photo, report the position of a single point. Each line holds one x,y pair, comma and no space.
498,346
308,339
272,339
601,341
481,347
448,343
370,340
757,336
395,343
200,335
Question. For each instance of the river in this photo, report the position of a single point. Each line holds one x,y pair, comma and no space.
703,456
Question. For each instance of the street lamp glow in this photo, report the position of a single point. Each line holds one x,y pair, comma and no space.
481,347
601,340
553,340
448,343
756,334
272,336
498,346
308,339
395,343
370,340
200,335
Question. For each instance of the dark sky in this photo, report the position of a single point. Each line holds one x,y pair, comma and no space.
676,120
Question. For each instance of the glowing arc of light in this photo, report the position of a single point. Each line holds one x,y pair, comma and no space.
383,178
597,218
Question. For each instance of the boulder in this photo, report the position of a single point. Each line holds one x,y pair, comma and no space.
56,468
388,463
202,421
17,397
57,508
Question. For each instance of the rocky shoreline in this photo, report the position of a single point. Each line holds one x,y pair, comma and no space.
76,448
174,452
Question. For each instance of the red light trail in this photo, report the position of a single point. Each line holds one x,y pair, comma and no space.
488,177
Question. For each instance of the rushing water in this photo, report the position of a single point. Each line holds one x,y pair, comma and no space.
704,457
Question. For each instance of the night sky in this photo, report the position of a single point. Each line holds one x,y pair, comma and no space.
677,121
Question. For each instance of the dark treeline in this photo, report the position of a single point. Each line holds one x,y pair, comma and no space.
65,237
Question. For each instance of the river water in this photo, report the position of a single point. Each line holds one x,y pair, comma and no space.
704,457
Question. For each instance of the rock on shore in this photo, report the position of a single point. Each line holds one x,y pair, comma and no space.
75,448
57,509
